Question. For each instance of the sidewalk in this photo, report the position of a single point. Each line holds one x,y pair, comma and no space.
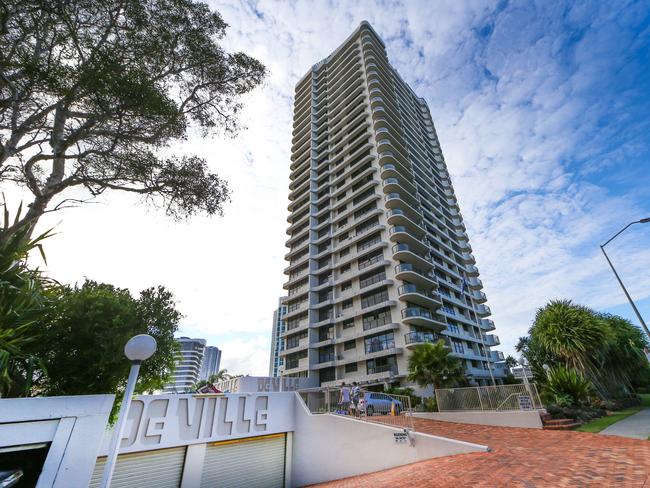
635,426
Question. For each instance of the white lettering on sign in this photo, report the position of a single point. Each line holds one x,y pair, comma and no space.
525,402
157,421
400,437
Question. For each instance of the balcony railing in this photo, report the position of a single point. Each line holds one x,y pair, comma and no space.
388,368
382,346
416,312
419,337
401,268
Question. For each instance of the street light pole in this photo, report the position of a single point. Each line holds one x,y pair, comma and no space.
618,278
138,349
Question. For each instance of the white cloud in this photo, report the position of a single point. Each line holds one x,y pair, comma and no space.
509,90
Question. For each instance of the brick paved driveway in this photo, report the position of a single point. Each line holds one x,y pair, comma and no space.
521,458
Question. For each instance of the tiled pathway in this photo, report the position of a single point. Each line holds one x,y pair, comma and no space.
521,458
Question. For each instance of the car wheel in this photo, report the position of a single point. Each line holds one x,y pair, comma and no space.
369,411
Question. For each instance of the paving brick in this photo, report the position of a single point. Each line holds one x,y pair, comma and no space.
520,458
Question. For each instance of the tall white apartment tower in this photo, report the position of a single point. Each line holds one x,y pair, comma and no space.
277,341
379,260
189,359
211,362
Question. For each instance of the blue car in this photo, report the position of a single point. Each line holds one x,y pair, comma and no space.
379,403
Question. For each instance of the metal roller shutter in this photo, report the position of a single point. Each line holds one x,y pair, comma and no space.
250,463
149,469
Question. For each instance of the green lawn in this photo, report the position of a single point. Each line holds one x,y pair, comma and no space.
599,424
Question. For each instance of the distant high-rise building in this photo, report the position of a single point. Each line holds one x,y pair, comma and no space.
188,365
211,362
276,338
379,260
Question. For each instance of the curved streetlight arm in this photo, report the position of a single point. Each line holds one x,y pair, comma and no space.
618,278
642,221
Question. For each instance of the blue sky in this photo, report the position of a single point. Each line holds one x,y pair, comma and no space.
543,113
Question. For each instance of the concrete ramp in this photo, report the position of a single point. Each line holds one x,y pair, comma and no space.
328,447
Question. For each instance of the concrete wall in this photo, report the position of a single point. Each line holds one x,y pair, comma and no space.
74,425
327,447
525,418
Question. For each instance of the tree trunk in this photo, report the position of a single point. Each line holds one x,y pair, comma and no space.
27,223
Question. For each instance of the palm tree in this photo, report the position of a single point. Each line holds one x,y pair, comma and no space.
23,302
575,335
432,364
221,375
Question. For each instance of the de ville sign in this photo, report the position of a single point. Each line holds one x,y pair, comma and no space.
159,421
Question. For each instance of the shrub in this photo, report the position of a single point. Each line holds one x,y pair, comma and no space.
430,404
568,385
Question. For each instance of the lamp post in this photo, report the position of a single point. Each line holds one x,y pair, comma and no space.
139,348
629,298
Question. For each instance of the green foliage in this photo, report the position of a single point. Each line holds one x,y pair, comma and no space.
431,404
406,391
568,385
83,337
606,350
509,379
96,92
221,375
510,361
24,298
570,332
432,364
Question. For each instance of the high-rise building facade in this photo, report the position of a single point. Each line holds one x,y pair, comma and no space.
277,340
211,362
189,359
379,260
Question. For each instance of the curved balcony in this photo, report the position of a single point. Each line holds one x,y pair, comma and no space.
390,157
376,101
414,294
471,270
479,297
389,170
497,356
401,234
413,339
399,216
452,202
383,122
413,274
398,184
404,252
464,246
474,283
403,195
483,310
458,224
491,340
487,324
468,258
421,316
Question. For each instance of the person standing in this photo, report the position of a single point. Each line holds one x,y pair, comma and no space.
344,398
356,396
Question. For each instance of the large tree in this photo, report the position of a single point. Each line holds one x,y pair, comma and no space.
93,93
82,340
605,349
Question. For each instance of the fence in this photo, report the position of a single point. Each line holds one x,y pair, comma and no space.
373,406
496,398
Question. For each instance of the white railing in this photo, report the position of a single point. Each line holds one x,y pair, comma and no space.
494,398
372,406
